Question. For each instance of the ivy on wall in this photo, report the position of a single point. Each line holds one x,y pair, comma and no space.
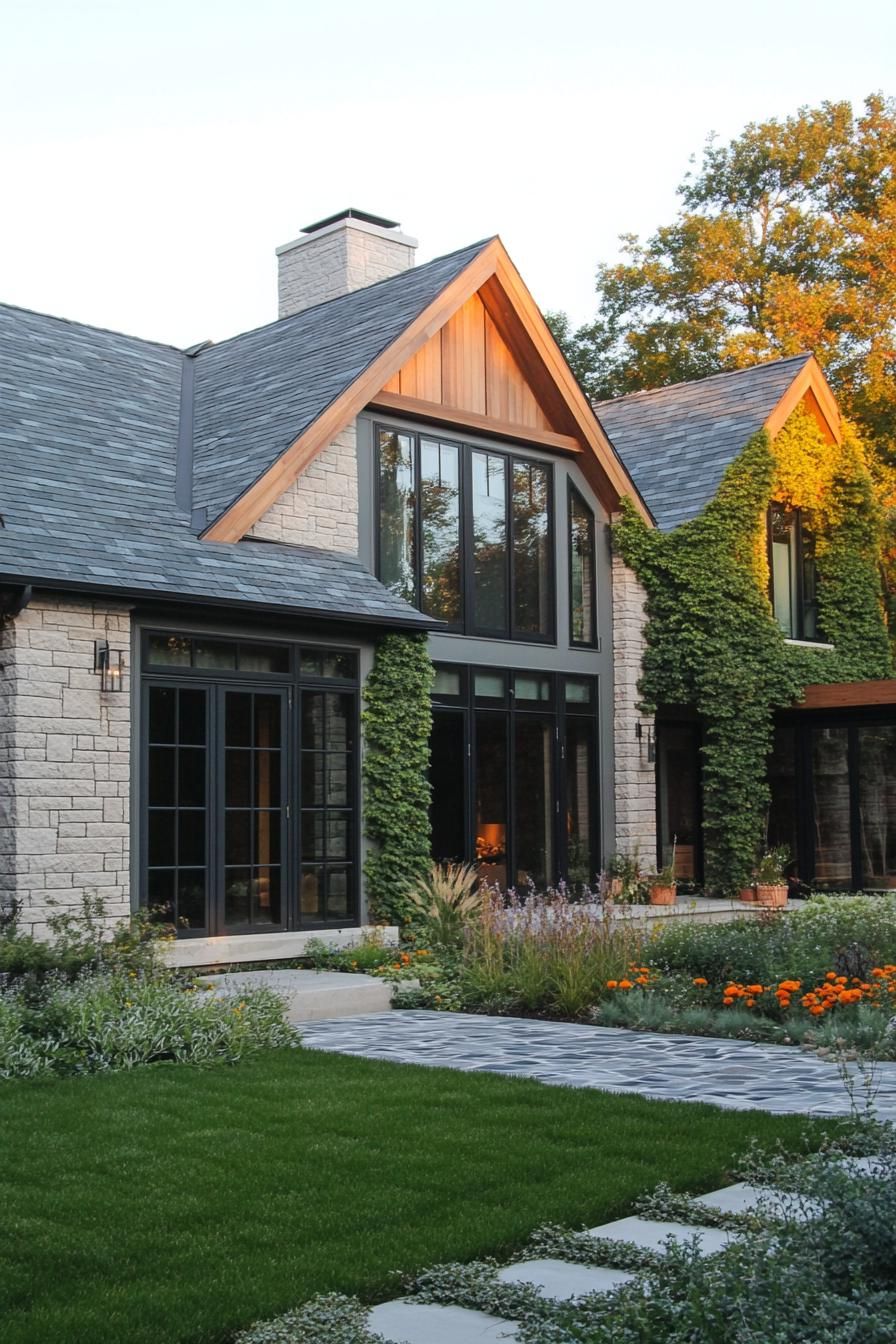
713,643
397,721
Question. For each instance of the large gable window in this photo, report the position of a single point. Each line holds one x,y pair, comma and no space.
465,534
792,573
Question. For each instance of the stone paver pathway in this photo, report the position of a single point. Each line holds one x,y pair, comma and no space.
734,1074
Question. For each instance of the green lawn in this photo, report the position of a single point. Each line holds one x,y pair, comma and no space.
179,1204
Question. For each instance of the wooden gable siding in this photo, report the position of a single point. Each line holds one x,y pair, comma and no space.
467,366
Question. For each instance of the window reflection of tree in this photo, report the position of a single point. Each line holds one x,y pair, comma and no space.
530,547
397,539
440,511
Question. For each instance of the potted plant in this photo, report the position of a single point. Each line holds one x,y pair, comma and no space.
661,884
623,879
771,882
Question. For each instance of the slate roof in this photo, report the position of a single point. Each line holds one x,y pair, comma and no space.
257,393
677,441
89,423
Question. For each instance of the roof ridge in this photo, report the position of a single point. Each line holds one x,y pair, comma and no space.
91,326
352,293
708,378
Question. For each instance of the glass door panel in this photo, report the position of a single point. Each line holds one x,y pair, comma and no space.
534,800
831,807
177,805
490,792
326,879
446,775
877,804
253,823
580,774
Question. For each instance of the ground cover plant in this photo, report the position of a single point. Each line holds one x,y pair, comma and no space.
175,1205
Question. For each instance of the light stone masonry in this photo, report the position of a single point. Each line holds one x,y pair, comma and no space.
635,774
64,762
347,255
320,508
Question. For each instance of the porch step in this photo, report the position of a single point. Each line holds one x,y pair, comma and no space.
403,1322
310,995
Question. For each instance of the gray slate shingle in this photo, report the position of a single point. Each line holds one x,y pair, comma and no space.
88,451
677,441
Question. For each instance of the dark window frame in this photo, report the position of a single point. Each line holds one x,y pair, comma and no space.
291,684
559,710
466,626
573,492
801,606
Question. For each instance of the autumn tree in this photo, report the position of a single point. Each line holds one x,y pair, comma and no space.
785,241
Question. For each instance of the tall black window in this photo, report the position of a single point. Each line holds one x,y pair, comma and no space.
250,784
514,775
465,535
582,591
792,573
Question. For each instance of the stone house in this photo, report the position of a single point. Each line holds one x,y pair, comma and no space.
201,549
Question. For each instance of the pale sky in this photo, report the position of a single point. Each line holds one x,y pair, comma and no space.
154,154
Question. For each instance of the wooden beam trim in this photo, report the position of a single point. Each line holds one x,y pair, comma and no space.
809,379
236,520
848,694
417,409
548,352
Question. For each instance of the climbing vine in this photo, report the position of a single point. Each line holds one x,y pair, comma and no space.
712,641
397,720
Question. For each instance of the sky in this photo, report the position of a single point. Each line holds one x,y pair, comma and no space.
153,155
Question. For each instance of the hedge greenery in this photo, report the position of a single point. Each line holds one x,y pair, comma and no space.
713,643
397,721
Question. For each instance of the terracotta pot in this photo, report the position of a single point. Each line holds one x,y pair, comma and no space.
615,890
662,895
747,894
771,893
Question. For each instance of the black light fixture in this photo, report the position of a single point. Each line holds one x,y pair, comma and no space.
651,744
109,664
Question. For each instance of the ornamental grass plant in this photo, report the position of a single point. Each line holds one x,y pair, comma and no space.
544,953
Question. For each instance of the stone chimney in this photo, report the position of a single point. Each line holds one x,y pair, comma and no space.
346,252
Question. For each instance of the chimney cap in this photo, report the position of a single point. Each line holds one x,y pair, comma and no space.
352,214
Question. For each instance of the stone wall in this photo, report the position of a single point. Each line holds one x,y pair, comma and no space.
64,762
635,774
347,255
320,508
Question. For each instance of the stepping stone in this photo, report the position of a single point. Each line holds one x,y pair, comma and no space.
310,995
745,1198
651,1235
861,1166
560,1280
417,1323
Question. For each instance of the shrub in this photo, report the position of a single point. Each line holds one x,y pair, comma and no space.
118,1020
81,938
328,1319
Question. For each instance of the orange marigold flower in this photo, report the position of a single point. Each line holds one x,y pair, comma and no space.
700,981
754,989
816,1010
727,1001
831,975
625,984
612,984
751,1003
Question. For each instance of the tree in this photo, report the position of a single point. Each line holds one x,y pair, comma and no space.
785,241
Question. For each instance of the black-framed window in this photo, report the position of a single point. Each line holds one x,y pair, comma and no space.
582,571
793,589
514,773
465,534
250,783
832,777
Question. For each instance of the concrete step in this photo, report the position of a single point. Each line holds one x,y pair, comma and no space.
745,1198
559,1279
310,995
403,1322
651,1235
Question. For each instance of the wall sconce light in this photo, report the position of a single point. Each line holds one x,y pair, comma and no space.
651,743
109,664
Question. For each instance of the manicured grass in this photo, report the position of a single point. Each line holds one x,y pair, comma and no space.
179,1204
